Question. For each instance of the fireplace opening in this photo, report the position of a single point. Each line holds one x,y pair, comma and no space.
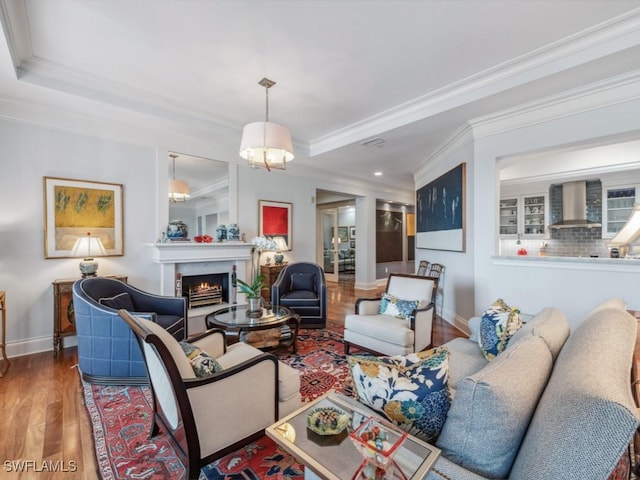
204,290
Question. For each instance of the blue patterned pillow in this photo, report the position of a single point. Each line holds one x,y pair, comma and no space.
202,363
497,326
395,307
409,390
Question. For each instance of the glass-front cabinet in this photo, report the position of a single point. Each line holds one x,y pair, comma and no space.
508,216
619,206
523,215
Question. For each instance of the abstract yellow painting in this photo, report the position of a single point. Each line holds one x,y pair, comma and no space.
74,208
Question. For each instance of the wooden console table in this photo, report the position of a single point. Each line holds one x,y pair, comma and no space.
3,345
64,319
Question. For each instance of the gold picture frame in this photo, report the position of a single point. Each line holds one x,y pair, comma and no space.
73,208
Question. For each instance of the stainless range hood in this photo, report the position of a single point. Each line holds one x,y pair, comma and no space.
574,207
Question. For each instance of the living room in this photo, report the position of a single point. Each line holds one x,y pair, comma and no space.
575,88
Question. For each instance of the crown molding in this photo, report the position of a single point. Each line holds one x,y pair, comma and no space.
15,24
462,137
598,41
611,91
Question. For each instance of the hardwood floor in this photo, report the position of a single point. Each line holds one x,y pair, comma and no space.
43,420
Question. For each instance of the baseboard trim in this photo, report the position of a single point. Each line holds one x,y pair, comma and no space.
36,345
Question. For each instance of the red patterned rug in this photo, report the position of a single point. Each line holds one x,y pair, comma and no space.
121,417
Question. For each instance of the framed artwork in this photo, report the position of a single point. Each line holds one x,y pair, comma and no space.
275,220
74,208
353,244
343,234
352,232
441,212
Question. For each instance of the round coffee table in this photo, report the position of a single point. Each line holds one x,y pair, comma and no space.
238,318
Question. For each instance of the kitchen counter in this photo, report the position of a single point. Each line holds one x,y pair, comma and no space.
599,263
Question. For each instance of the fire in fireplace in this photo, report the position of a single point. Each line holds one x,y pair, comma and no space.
204,290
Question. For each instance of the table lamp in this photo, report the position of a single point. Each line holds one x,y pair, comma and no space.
88,247
281,244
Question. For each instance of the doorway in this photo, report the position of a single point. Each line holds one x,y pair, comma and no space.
336,240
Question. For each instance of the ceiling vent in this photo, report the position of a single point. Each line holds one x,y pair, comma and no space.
374,142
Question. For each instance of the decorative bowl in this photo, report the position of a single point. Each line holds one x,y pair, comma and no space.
327,421
377,441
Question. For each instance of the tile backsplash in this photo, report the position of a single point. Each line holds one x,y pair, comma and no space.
567,242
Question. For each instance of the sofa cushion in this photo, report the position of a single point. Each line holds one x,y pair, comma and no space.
411,390
202,363
586,416
550,324
465,359
382,327
303,281
396,307
122,300
491,409
497,325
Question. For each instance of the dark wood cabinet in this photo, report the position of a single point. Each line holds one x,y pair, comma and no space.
270,273
64,321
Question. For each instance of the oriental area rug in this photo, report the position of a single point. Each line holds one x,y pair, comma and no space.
121,417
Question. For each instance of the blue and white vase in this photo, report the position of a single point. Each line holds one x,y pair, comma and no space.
177,230
221,232
233,232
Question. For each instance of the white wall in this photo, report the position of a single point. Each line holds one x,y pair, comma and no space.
28,154
456,300
531,287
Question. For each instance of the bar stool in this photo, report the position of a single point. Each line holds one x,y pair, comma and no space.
3,345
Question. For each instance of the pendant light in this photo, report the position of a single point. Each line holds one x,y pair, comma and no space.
266,144
178,189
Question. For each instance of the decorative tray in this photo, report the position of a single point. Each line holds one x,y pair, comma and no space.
327,421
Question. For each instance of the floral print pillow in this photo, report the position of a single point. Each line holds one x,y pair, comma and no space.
202,363
409,390
497,325
395,307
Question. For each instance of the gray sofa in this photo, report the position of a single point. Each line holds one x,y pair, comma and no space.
551,406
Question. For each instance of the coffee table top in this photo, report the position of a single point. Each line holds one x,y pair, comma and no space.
335,457
238,316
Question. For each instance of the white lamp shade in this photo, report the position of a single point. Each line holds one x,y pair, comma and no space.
630,231
88,246
178,189
281,244
266,141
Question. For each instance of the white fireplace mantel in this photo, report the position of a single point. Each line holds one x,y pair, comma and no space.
179,257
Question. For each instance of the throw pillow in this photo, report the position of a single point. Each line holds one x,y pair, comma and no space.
395,307
202,363
497,325
122,300
303,281
409,390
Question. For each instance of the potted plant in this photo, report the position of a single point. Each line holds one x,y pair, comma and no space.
253,292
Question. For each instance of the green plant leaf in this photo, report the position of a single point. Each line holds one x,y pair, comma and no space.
254,289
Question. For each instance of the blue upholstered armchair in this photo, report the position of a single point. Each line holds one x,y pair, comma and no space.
108,352
301,287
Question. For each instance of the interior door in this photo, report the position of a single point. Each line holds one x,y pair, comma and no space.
328,254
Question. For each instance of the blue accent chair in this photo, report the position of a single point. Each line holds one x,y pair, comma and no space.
302,288
108,352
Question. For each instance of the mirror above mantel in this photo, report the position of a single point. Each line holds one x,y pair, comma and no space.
210,192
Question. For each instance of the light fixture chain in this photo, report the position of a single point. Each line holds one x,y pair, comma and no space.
267,97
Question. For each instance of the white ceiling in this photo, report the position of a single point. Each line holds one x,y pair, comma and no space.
408,71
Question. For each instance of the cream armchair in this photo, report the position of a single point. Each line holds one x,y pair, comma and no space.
370,330
208,417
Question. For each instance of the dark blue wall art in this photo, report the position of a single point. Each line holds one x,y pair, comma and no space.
440,211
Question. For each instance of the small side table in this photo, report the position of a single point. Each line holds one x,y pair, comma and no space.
3,345
64,318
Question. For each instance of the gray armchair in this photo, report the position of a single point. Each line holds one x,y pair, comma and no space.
107,350
301,287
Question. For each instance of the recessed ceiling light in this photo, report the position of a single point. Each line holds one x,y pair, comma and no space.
377,174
